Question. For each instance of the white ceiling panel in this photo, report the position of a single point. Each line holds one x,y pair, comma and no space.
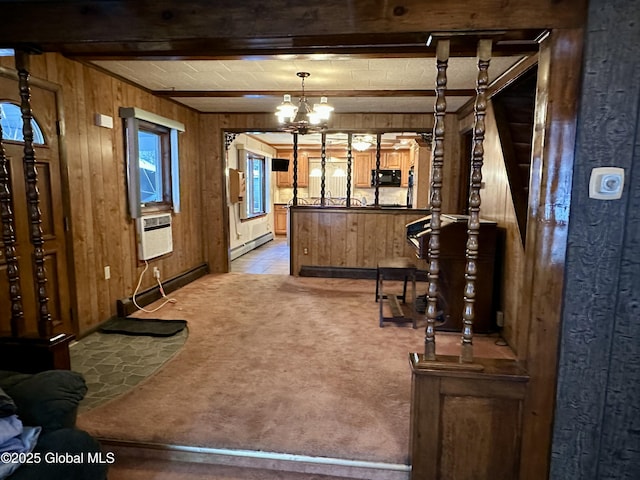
328,72
341,105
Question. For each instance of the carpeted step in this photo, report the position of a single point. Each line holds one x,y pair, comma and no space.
129,468
137,461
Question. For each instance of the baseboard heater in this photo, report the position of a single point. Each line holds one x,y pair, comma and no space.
247,247
125,306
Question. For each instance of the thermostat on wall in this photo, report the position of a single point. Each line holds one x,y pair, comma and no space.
606,183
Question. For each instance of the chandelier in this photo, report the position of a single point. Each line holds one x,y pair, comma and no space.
362,142
303,118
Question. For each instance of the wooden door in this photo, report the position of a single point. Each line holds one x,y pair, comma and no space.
52,216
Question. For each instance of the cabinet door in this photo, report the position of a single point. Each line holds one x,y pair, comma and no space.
285,179
303,169
406,165
392,160
363,164
280,219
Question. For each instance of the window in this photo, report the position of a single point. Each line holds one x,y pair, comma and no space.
11,122
153,146
255,166
152,161
256,185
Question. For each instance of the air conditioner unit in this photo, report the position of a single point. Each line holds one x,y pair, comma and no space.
154,236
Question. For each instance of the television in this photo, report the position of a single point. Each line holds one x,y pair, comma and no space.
279,164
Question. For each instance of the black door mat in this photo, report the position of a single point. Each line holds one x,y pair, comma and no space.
143,326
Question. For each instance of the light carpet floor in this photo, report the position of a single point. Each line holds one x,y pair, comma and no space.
279,364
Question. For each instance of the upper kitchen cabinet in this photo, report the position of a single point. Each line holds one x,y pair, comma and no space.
285,179
363,164
392,160
407,163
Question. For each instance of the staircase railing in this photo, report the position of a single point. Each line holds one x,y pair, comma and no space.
457,399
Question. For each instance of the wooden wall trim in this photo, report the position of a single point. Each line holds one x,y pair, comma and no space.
545,250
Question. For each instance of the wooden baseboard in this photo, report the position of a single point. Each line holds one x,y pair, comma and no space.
125,306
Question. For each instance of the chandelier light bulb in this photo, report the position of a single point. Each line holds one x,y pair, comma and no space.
286,111
314,118
323,109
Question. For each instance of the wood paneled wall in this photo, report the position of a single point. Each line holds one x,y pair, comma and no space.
352,238
102,233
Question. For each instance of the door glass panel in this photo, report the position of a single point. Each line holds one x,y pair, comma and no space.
11,121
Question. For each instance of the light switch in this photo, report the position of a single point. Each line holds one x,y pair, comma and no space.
606,183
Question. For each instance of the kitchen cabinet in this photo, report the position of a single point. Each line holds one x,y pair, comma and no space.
407,163
391,160
363,164
280,219
285,179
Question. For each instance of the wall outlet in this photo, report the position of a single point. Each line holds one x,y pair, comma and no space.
156,272
305,251
500,319
107,272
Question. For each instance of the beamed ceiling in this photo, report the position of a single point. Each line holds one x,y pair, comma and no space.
226,56
386,78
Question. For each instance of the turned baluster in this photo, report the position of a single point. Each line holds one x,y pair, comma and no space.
323,165
295,169
473,229
9,243
442,59
45,322
349,161
377,192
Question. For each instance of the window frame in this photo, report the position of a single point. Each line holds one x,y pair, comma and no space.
136,120
250,190
244,157
164,135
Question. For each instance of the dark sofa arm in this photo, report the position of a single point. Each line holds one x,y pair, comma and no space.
48,399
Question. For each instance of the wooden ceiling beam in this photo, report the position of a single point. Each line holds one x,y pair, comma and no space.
194,26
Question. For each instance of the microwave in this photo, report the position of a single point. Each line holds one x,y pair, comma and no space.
386,178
